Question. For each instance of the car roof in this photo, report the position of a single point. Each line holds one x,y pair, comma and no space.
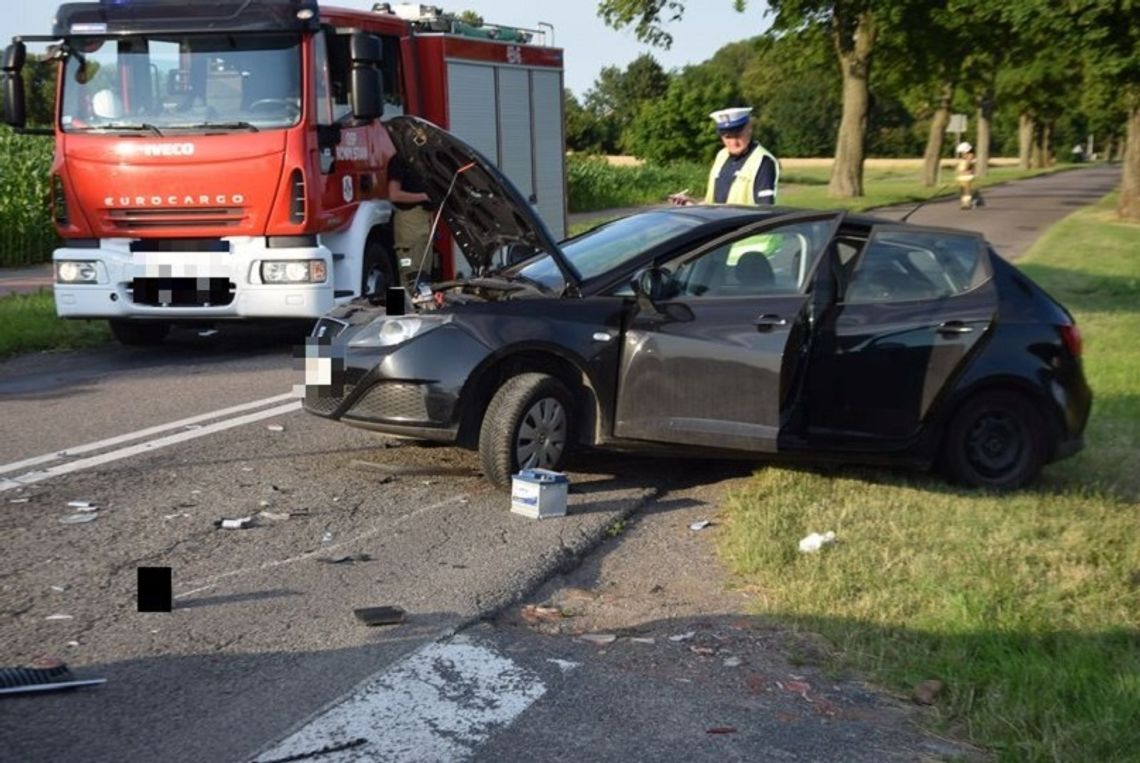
725,213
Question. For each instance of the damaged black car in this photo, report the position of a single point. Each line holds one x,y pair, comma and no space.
714,331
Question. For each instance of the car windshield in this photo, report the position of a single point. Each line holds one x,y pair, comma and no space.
192,82
606,247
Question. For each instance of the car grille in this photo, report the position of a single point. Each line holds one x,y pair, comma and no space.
392,402
182,292
321,401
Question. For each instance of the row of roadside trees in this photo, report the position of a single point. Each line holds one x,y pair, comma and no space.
848,77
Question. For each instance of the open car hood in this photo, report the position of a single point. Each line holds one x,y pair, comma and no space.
482,208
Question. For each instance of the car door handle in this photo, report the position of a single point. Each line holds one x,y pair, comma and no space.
953,327
768,321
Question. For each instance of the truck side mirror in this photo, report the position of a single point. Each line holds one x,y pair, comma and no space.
15,109
367,83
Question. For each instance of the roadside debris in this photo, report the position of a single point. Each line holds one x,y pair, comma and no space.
815,541
700,525
327,537
18,500
45,674
534,614
379,615
539,493
345,559
79,519
732,662
275,428
59,617
642,640
59,588
721,730
599,638
82,505
683,636
273,515
321,752
926,693
238,523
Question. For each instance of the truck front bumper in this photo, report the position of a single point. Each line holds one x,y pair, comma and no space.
191,285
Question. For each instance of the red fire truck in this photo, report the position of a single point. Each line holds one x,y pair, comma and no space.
228,160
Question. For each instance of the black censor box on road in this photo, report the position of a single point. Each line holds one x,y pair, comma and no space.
156,589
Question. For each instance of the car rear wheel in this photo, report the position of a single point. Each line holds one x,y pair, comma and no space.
996,441
529,424
139,333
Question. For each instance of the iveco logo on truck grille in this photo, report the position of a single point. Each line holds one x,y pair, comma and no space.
168,149
174,200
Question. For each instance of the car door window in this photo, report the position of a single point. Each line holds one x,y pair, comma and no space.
773,262
906,265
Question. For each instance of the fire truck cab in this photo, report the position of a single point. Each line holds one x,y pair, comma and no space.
228,160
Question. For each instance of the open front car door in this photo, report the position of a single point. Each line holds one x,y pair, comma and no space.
711,358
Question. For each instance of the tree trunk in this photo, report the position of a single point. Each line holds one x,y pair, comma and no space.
1025,130
854,53
985,114
1129,207
1109,147
933,155
1040,158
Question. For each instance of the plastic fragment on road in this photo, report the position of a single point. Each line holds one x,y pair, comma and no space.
275,516
721,730
732,662
815,541
79,519
598,638
349,559
683,636
642,640
53,676
327,537
18,500
59,588
59,617
564,665
275,428
237,523
534,613
82,505
700,525
379,615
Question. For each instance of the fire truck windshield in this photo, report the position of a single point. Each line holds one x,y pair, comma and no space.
186,82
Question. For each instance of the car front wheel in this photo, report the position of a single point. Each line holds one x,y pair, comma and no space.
996,441
529,424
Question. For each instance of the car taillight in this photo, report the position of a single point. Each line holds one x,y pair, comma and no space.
297,197
1071,336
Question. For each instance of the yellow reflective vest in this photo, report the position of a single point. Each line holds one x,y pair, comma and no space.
740,192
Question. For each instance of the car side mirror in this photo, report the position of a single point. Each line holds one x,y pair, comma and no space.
650,287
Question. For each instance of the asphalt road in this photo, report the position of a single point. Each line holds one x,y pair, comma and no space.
262,644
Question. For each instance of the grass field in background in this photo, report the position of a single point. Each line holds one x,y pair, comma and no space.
26,232
1026,605
28,323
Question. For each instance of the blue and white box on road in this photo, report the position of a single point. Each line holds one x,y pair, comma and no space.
539,493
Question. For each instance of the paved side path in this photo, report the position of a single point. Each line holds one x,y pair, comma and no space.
1015,214
27,280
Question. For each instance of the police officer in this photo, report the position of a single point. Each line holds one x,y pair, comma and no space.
744,172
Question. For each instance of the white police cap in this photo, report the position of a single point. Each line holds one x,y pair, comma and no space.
963,147
731,119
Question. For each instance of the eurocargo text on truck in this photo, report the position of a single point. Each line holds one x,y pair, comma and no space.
228,159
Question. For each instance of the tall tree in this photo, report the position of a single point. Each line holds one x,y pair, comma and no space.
854,27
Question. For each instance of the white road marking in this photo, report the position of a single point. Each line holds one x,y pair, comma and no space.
141,433
145,447
437,704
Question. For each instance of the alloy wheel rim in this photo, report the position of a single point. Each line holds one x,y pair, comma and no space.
995,443
541,437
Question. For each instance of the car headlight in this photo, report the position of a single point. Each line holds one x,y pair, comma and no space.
387,332
76,271
293,271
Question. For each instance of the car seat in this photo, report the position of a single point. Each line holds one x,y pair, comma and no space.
754,272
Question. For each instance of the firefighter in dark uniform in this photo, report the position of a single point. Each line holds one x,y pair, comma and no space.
411,222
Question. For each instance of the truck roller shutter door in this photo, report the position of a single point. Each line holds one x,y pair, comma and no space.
514,129
470,96
549,149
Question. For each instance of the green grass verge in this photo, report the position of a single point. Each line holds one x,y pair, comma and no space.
1026,606
28,323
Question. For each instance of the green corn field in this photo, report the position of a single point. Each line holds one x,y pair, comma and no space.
27,235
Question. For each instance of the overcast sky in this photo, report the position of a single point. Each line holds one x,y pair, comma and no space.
589,43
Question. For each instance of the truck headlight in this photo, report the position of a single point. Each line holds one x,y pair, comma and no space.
293,271
76,271
387,332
